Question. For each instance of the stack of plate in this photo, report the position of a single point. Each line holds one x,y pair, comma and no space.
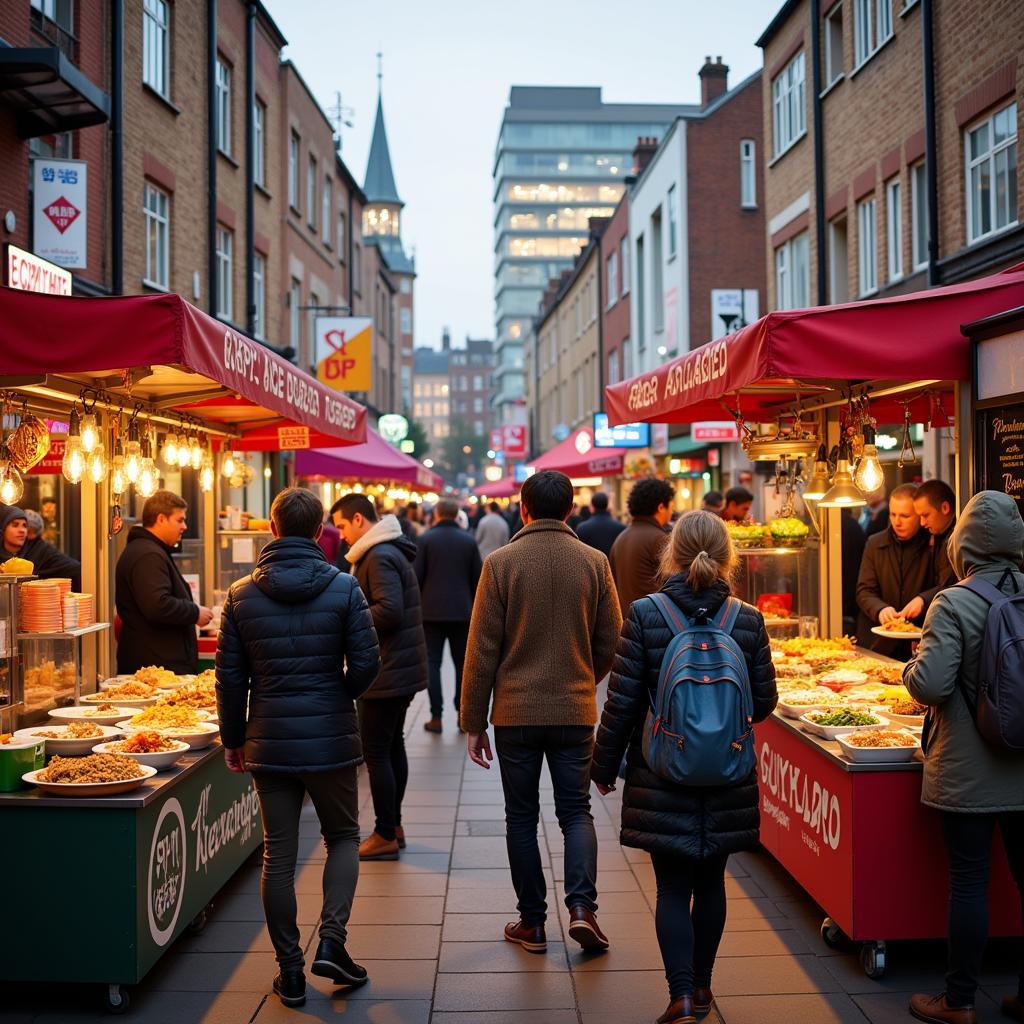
79,610
41,606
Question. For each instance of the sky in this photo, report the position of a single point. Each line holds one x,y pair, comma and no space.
447,69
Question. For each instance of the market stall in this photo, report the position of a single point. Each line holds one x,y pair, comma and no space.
591,468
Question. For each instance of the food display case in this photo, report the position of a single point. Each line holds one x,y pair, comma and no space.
10,689
56,669
237,552
783,583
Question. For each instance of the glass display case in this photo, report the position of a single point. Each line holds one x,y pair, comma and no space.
10,697
237,552
783,583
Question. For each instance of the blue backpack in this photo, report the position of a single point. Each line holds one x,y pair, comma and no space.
699,731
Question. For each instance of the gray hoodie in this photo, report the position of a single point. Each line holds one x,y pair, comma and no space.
962,772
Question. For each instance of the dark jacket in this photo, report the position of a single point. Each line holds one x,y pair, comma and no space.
382,565
296,647
636,560
657,815
892,573
942,574
158,615
48,562
448,569
600,531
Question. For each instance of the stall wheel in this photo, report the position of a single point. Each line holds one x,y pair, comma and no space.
198,923
872,959
116,999
832,935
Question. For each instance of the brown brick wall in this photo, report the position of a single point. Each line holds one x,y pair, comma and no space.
615,321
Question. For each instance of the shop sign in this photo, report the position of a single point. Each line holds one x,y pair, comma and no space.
714,457
659,438
715,430
393,428
626,435
344,352
496,439
560,432
609,465
407,447
29,273
59,219
521,472
583,441
290,439
515,439
52,461
1000,440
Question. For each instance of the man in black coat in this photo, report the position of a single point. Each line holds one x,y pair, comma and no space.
296,648
601,529
448,569
158,615
382,563
48,563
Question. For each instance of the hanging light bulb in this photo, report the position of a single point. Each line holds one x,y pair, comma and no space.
843,493
147,478
169,451
184,451
90,433
869,476
266,472
206,475
12,486
73,464
96,464
132,454
118,476
227,466
816,488
196,451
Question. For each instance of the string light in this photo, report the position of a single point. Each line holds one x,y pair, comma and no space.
12,486
169,452
196,452
90,433
96,464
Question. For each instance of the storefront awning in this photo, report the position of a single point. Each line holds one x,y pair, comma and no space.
766,366
376,461
576,456
506,487
162,350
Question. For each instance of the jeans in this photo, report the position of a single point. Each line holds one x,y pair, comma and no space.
688,937
521,752
336,799
382,730
456,633
969,849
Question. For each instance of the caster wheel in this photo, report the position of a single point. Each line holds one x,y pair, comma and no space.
832,935
116,1000
872,959
198,923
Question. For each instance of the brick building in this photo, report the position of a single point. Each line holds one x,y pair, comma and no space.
869,188
431,388
615,297
471,385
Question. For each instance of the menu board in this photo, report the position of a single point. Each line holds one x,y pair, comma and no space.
1000,440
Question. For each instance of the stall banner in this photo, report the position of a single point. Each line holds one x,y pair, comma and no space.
715,430
344,352
59,202
52,461
28,273
515,440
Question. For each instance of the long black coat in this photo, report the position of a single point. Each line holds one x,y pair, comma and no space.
49,562
694,822
385,574
600,531
297,646
158,615
448,569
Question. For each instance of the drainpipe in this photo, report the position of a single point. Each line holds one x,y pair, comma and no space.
350,250
819,151
600,324
250,169
211,153
930,139
117,147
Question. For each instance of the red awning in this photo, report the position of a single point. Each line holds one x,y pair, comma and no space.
765,366
190,357
503,488
576,456
376,461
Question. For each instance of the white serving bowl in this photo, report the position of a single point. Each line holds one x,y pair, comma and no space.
67,747
158,760
882,755
123,702
831,732
197,736
77,713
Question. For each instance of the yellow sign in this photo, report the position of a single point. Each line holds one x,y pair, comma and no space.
344,352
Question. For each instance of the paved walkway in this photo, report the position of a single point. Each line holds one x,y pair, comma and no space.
428,928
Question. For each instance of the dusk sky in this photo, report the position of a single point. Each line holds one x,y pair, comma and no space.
448,67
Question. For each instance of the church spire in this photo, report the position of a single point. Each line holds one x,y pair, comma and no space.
379,185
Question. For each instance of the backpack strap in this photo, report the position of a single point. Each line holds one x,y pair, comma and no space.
674,619
728,614
983,589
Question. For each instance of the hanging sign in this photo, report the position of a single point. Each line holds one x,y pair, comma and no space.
59,221
344,350
28,273
393,428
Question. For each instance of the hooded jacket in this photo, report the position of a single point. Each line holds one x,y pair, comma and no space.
158,615
962,772
296,647
657,815
48,563
382,563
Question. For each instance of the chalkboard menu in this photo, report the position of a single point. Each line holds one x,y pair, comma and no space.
999,433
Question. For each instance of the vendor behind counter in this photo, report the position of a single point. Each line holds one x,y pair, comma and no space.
47,562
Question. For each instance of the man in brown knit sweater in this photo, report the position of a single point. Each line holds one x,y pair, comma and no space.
545,623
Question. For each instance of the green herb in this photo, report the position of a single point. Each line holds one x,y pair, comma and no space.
844,718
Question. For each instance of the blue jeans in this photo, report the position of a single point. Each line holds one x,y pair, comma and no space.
521,752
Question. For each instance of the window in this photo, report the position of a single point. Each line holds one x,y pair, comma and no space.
295,314
641,298
325,211
259,296
834,46
293,171
872,26
311,192
357,267
991,151
259,143
792,274
624,260
838,262
894,230
60,12
612,279
919,216
156,43
613,368
406,286
405,316
657,274
478,382
672,222
225,262
223,107
788,106
341,235
157,220
478,405
867,248
748,173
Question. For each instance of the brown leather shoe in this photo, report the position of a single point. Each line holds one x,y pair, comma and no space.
376,847
935,1010
680,1011
400,836
584,929
433,725
702,1000
1013,1007
530,937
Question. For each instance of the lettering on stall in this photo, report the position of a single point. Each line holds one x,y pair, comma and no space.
1001,436
235,823
786,785
706,364
165,887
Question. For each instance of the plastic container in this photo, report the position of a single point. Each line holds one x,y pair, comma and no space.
17,758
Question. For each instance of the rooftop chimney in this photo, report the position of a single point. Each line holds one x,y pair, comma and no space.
446,340
714,80
646,146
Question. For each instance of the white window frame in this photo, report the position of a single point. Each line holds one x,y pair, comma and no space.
225,273
990,161
223,106
748,174
835,62
156,46
259,143
312,176
325,211
872,29
894,229
789,105
793,273
295,314
341,236
624,272
867,247
612,279
405,319
919,216
673,219
294,152
156,207
259,295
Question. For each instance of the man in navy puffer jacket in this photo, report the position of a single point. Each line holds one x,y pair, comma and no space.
297,647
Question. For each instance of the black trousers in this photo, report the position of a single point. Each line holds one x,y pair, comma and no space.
969,849
456,633
382,730
689,937
568,749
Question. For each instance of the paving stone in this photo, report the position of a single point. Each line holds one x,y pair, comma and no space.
234,937
626,995
641,954
771,975
246,906
539,990
483,927
343,1009
407,862
762,943
473,852
397,910
418,883
499,956
478,827
793,1009
477,901
213,972
394,942
509,1017
389,979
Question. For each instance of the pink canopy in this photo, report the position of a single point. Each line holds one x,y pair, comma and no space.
503,488
374,461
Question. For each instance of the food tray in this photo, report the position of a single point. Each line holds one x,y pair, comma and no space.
799,710
880,755
831,732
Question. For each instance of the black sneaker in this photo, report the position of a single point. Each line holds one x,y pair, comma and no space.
332,961
291,987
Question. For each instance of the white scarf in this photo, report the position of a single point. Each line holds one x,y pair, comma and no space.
386,529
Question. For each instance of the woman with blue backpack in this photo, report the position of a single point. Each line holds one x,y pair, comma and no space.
693,673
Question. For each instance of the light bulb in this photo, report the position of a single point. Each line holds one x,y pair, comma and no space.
169,452
843,493
196,452
12,487
206,477
90,433
266,472
228,465
147,478
73,464
96,464
869,476
132,461
118,477
184,452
